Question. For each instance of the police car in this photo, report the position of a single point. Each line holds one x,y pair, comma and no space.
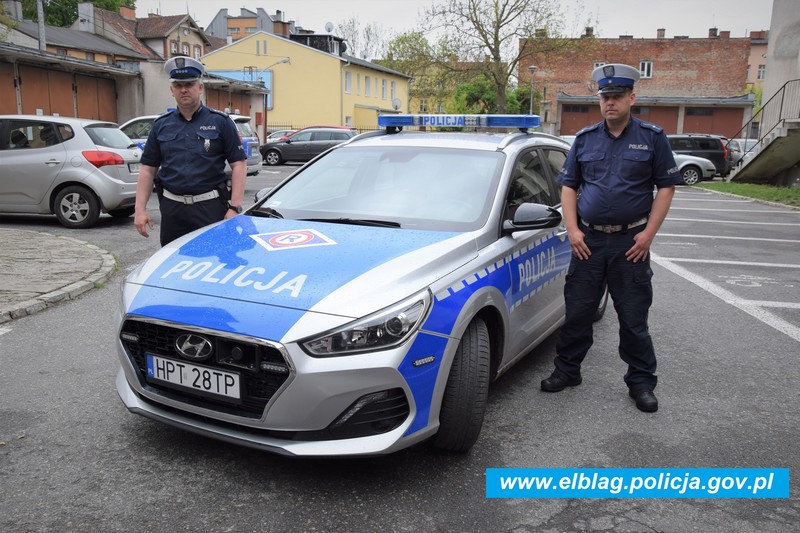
363,305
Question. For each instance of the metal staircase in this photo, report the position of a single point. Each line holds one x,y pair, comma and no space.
774,158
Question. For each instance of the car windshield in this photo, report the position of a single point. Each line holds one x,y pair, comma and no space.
108,135
441,189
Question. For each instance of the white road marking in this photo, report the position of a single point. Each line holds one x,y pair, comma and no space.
673,208
715,237
715,221
751,307
736,263
4,330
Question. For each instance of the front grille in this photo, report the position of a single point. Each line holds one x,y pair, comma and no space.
262,368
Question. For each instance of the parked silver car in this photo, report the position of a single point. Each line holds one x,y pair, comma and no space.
694,169
71,167
139,128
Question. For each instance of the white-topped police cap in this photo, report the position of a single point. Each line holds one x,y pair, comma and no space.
615,78
184,68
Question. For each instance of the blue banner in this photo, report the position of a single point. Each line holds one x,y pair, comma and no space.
637,482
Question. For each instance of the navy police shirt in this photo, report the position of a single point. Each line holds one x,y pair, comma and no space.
616,176
192,154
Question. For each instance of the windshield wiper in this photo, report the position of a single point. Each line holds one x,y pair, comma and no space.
357,222
268,211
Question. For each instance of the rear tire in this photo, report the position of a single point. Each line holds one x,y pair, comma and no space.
76,207
691,175
272,157
464,401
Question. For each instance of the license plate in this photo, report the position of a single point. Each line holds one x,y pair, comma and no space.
133,168
194,377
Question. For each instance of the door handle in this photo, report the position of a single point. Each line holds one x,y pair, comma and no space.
52,162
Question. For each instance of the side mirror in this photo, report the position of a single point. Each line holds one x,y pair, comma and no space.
261,193
532,216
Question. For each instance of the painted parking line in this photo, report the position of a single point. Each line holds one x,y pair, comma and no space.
754,308
716,237
771,212
714,221
734,263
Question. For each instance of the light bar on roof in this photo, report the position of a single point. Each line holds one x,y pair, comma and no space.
460,121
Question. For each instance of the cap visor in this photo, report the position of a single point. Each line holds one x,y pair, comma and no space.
173,80
615,89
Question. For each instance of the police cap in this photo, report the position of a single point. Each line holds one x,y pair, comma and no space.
184,68
615,78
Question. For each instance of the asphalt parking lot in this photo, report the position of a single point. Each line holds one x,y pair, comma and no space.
741,251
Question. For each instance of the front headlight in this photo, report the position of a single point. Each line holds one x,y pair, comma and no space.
383,330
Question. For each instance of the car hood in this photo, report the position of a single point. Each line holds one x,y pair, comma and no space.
239,266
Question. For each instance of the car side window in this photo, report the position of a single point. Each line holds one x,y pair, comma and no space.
302,136
138,130
32,134
339,136
529,184
322,136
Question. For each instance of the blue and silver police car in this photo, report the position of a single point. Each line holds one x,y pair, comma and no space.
363,305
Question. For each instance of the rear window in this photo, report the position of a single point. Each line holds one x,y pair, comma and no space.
245,130
108,135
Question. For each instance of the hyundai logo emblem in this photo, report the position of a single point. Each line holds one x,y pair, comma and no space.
194,347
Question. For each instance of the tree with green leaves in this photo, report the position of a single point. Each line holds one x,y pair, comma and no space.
487,36
65,12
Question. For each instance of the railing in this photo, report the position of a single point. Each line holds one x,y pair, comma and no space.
784,104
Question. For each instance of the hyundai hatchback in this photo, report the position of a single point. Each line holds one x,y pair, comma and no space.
365,304
71,167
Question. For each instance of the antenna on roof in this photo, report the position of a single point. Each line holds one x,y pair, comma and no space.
328,27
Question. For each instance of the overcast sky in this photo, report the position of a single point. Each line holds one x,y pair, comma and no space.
640,18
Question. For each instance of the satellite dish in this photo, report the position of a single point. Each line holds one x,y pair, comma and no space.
328,27
396,103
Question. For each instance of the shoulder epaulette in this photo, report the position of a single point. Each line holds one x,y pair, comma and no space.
649,126
589,128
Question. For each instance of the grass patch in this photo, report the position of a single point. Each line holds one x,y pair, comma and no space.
781,195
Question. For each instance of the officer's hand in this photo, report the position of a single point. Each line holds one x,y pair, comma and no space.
230,213
577,244
142,221
641,247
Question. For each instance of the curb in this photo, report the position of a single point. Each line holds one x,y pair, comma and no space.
70,290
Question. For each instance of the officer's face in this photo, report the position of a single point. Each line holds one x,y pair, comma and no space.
186,93
616,106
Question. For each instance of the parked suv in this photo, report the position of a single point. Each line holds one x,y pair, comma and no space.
305,144
139,128
71,167
708,146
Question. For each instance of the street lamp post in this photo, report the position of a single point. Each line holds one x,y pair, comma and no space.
531,69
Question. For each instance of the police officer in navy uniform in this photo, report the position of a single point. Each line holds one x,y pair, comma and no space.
185,158
612,217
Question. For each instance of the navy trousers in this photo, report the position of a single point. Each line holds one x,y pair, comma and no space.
632,293
178,219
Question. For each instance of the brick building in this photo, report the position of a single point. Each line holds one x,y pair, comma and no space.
696,85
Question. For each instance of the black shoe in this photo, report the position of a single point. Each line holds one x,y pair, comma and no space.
559,381
645,400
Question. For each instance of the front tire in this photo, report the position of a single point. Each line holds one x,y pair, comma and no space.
464,401
272,157
691,175
76,207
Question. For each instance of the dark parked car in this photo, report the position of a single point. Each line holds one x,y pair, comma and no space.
305,144
708,146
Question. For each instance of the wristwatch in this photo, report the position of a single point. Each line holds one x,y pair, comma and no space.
236,208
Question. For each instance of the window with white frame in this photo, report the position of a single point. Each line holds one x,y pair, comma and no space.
394,89
383,89
367,86
348,82
185,49
423,106
762,71
197,52
173,47
646,69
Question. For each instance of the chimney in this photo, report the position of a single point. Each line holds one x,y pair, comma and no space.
589,32
540,33
13,8
660,33
86,17
712,33
279,15
127,13
725,35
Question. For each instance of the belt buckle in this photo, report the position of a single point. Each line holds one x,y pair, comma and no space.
188,199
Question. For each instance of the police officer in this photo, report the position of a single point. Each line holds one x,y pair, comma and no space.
185,158
611,224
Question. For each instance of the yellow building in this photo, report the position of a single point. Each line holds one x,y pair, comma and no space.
310,83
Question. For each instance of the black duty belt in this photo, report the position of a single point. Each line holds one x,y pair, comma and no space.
614,228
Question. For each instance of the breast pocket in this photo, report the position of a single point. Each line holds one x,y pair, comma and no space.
591,163
208,142
637,164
